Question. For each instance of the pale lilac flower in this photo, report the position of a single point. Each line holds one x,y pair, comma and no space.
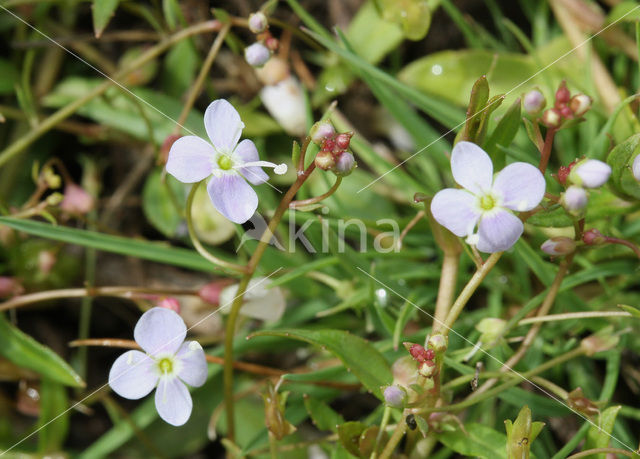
574,199
486,202
257,54
168,364
395,396
559,245
231,164
635,168
590,173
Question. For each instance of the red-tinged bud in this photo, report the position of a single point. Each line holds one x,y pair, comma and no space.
419,353
9,286
328,144
76,200
562,94
169,303
324,160
343,140
210,293
272,43
593,237
578,402
438,343
566,112
427,368
430,354
551,118
563,174
321,131
580,104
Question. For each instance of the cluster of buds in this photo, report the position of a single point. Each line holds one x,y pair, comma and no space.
259,52
566,107
424,358
333,155
580,176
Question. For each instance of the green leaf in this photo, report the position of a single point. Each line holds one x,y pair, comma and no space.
620,159
600,435
146,250
349,435
503,134
627,11
26,352
477,102
54,417
414,16
521,433
9,77
322,415
357,355
103,11
478,441
630,309
158,204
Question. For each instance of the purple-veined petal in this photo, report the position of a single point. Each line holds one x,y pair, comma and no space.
521,186
223,125
498,231
160,330
247,152
133,375
471,167
193,370
173,401
233,197
190,159
455,210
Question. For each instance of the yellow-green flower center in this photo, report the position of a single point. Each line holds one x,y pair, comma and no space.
487,202
224,162
165,365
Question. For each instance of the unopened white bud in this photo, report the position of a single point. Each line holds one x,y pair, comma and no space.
574,199
257,22
590,173
257,54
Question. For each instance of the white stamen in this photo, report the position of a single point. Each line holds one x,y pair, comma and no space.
277,168
130,358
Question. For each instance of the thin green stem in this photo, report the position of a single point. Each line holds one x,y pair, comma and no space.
595,451
68,110
469,290
446,289
306,202
198,245
573,315
397,435
242,287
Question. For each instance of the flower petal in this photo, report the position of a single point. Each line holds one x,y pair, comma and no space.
260,302
194,364
233,197
521,186
160,330
247,152
471,167
498,231
190,159
223,125
133,375
173,401
455,210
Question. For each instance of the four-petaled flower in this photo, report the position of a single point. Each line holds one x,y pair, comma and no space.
168,364
485,201
231,164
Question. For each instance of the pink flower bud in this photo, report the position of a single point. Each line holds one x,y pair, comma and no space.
395,396
566,112
551,118
210,293
562,94
580,104
344,165
590,173
257,54
574,199
169,302
635,168
593,237
343,140
272,43
46,261
533,102
320,131
257,22
9,286
325,160
76,200
558,246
